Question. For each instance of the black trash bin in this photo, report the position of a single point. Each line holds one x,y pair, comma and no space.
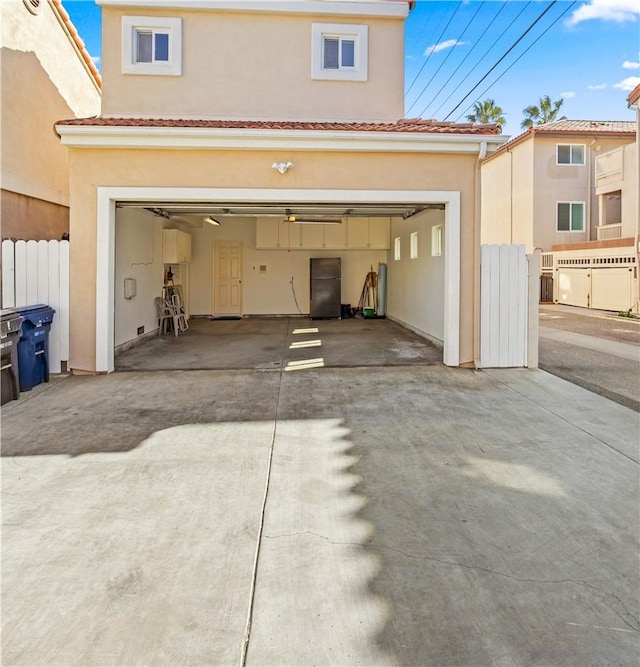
33,346
10,330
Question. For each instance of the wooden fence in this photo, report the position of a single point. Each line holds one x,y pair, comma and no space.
37,272
503,306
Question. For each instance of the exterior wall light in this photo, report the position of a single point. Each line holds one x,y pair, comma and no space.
282,167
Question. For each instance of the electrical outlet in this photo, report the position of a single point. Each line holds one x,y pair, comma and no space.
140,331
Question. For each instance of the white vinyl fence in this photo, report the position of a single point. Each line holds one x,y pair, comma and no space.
37,272
508,307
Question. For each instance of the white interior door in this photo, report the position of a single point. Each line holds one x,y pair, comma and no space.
227,278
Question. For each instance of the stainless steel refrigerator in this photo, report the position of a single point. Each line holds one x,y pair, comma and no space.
325,273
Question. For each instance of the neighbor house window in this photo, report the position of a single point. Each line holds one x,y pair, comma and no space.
413,251
570,153
396,248
436,240
339,52
151,45
570,216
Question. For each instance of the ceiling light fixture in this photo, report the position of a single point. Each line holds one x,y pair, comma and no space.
212,221
313,221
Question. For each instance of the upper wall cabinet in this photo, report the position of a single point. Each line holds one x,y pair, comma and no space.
176,246
353,233
368,233
275,233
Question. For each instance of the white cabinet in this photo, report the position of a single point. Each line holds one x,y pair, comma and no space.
352,233
275,233
320,237
369,233
176,246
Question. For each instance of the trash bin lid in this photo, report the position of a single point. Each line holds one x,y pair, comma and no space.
38,314
11,322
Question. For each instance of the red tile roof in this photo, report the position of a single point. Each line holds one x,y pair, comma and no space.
73,33
569,128
588,126
412,125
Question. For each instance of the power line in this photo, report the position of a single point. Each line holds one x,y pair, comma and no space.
435,97
522,36
445,59
437,42
518,58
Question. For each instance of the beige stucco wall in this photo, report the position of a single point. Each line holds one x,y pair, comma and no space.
630,192
229,169
507,197
43,81
254,66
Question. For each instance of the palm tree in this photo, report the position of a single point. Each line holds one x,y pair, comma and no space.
486,113
545,112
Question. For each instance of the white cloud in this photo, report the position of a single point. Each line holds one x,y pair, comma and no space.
627,64
597,86
96,60
567,95
449,44
606,10
628,84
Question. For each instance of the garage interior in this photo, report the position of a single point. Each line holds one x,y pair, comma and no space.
242,273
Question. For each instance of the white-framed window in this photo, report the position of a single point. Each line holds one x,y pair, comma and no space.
436,240
413,248
396,248
151,45
570,154
339,52
570,216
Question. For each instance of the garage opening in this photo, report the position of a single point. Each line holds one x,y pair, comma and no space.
250,260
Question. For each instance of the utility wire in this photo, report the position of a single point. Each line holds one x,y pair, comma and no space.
513,46
435,97
430,54
446,58
518,58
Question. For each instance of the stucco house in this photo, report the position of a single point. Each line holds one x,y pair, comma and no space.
46,74
556,188
227,124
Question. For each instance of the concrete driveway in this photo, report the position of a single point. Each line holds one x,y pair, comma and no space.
408,515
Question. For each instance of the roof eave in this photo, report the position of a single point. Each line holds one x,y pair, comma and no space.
106,137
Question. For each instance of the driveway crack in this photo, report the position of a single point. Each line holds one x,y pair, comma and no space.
634,624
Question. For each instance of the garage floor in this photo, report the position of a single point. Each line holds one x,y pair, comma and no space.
281,342
389,515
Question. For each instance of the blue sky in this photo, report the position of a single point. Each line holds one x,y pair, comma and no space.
585,52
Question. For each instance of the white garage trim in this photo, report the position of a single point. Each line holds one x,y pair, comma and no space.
105,250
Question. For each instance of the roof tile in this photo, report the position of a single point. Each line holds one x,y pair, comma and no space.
410,125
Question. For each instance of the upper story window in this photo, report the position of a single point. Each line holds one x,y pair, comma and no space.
339,52
570,217
151,45
570,154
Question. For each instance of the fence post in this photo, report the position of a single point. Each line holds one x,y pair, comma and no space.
533,310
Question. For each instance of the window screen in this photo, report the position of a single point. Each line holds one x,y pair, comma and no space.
331,53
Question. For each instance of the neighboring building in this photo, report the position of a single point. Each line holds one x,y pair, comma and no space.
253,114
539,188
47,74
569,189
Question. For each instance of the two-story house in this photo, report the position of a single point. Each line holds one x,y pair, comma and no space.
555,188
47,74
238,140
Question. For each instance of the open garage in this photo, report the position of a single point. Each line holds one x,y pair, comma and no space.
402,195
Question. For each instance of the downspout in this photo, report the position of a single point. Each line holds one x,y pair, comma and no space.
636,248
589,187
477,237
